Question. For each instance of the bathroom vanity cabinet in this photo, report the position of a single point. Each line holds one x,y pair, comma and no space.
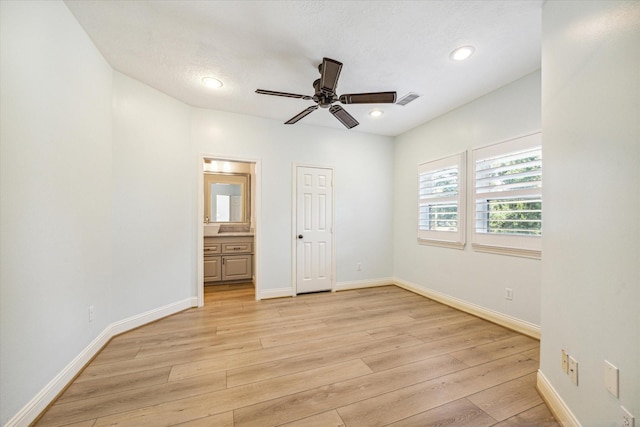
228,258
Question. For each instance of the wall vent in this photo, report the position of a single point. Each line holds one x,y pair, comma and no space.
411,96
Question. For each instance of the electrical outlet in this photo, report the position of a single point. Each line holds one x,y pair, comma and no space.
565,362
91,313
573,370
508,294
358,266
627,419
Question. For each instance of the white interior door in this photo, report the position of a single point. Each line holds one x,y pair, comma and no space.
314,217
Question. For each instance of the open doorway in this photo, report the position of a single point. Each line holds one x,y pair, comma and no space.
228,218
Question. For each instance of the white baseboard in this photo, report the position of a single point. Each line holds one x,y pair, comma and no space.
276,293
558,408
339,286
358,284
45,397
501,319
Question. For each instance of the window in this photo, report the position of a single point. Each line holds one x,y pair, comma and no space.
441,193
508,197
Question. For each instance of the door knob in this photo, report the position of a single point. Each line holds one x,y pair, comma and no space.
300,236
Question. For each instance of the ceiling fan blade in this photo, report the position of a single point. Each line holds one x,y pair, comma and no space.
288,95
330,71
369,98
301,115
344,117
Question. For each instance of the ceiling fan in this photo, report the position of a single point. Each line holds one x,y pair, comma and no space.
325,95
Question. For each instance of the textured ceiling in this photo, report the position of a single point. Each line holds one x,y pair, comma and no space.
277,45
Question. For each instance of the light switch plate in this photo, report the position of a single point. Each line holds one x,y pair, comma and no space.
565,362
611,378
573,370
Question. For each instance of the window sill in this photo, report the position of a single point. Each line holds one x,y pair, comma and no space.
501,250
441,243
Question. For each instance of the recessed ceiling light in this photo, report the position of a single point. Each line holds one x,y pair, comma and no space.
211,82
375,113
462,53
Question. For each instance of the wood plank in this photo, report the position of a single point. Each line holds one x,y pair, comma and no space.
325,419
473,324
508,399
539,416
435,319
112,354
115,384
366,321
495,350
303,336
218,420
283,326
88,423
459,413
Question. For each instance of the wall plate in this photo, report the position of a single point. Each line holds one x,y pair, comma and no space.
627,419
573,370
565,362
611,378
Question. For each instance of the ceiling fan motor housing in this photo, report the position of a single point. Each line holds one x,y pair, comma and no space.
321,98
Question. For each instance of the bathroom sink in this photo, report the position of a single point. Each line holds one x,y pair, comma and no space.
211,229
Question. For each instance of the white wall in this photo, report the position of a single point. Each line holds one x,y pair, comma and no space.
511,111
591,245
154,205
363,190
55,220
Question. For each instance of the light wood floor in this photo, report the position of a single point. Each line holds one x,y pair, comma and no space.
370,357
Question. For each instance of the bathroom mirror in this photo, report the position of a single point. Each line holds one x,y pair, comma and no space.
226,197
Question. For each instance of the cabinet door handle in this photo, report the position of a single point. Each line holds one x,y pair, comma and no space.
300,236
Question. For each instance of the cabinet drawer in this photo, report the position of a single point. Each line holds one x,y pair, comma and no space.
212,248
237,248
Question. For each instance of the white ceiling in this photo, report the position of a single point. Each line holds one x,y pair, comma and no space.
277,45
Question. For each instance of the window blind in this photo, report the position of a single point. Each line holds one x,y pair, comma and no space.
441,200
507,182
508,190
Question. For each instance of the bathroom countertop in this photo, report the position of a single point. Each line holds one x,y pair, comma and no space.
233,234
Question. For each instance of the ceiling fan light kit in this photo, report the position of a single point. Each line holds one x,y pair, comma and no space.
325,95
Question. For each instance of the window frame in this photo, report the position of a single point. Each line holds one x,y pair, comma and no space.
508,244
445,238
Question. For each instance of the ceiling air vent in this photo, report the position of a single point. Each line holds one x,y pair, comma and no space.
411,96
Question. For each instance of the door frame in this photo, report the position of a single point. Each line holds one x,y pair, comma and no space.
257,209
294,225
